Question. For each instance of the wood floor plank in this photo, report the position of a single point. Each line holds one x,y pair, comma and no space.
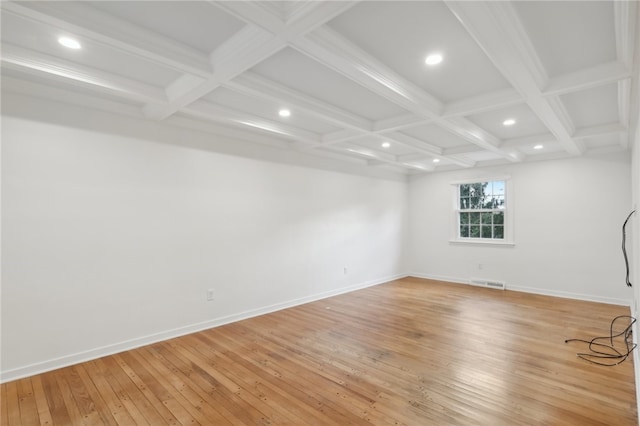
11,393
77,418
28,407
98,375
407,352
218,398
80,396
293,363
136,402
44,414
241,365
228,366
154,381
55,401
100,405
4,406
248,389
165,415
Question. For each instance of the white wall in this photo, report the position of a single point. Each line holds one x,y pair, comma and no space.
110,238
568,217
633,230
634,246
111,241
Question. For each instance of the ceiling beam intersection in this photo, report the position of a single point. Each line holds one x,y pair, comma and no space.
497,29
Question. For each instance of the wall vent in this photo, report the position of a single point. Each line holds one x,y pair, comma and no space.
498,285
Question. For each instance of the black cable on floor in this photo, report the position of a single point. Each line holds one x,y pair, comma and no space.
607,351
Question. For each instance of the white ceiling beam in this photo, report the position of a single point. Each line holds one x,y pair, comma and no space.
307,16
113,32
330,48
624,106
242,51
626,16
496,28
416,156
376,163
333,50
263,36
625,29
419,167
355,127
210,111
602,130
341,135
468,131
414,143
598,75
255,13
257,86
532,140
374,158
481,103
52,92
125,87
246,48
382,156
398,123
431,150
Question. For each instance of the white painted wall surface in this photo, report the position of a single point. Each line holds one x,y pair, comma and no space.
568,218
111,241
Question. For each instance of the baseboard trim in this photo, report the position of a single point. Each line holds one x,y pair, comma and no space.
533,290
72,359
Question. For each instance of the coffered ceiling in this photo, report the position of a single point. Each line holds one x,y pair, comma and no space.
352,75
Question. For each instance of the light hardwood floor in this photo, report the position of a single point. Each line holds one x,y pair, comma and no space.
412,352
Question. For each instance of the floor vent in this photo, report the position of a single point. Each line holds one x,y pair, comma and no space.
498,285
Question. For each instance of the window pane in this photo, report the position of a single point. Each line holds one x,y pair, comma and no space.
498,232
488,196
498,218
474,218
488,202
486,218
464,218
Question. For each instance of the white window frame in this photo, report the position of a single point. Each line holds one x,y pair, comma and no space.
508,239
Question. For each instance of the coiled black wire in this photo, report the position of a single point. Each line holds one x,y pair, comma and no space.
624,247
607,351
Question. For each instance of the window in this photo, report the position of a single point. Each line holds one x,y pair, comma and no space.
481,210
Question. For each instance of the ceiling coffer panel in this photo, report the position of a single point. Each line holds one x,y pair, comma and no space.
411,87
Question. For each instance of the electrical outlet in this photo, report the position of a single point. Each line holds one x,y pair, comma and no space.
345,271
210,295
480,265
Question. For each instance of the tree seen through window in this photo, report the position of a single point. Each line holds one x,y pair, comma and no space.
481,210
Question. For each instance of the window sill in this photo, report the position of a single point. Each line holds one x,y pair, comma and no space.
479,242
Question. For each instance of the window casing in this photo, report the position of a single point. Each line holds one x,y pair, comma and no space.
483,212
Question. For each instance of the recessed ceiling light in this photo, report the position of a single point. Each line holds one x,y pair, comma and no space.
284,113
69,42
509,122
386,144
538,147
433,59
436,160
